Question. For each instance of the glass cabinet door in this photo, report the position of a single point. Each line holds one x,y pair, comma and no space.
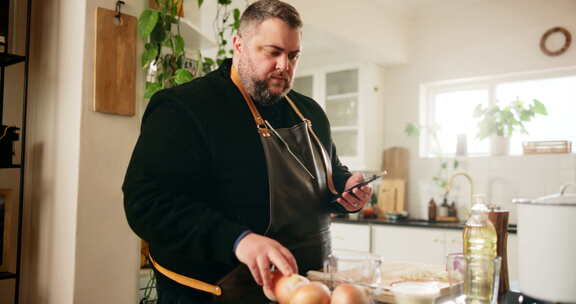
342,110
304,85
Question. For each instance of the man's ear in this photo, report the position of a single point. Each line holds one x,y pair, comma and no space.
237,43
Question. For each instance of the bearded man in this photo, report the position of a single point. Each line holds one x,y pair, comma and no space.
234,174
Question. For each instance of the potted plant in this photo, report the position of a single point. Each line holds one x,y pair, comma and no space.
499,123
164,57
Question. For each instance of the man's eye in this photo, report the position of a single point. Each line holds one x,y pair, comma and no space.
274,53
294,56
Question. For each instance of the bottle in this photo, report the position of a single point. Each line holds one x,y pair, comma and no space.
443,210
431,210
480,250
452,212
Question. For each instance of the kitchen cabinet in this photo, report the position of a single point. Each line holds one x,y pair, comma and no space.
409,244
351,237
352,98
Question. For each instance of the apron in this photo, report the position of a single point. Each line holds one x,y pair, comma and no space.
300,182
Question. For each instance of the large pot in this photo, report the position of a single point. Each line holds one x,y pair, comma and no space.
547,247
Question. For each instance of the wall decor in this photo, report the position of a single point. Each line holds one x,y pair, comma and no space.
555,30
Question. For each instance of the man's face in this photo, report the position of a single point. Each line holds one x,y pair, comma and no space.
267,59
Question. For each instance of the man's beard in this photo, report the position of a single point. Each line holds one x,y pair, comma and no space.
259,89
263,96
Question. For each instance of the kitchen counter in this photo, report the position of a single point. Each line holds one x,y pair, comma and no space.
411,223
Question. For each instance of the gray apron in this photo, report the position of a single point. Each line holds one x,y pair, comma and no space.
300,183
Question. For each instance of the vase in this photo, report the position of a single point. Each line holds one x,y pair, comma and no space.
499,145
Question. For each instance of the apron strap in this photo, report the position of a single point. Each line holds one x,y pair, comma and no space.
323,152
186,281
257,117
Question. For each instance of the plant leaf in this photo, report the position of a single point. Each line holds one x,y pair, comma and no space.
539,107
200,3
149,54
412,130
147,22
183,76
151,89
225,2
158,34
178,45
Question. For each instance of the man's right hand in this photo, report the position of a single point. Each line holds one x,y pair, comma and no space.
259,252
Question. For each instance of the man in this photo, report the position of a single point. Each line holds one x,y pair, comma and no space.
234,173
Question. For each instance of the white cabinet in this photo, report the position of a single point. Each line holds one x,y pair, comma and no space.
352,99
350,237
409,244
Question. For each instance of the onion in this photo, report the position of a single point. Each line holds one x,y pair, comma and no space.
349,294
311,293
286,285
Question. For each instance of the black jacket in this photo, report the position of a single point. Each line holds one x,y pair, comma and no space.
197,177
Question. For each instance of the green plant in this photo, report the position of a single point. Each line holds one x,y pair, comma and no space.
164,56
507,120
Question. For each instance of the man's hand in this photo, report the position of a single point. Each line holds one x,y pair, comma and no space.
259,253
360,196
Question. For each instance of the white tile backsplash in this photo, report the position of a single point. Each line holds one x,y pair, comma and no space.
500,178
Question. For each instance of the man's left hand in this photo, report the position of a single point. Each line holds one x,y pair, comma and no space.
359,197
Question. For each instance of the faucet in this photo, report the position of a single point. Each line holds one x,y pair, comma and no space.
451,181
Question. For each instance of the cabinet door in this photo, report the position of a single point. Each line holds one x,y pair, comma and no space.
454,241
350,237
409,244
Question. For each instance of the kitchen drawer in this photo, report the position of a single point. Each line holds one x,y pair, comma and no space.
350,237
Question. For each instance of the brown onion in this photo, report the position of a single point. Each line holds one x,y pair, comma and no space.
311,293
286,285
349,294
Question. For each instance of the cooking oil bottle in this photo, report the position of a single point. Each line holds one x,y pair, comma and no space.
480,250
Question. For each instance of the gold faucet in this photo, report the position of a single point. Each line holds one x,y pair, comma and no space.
469,178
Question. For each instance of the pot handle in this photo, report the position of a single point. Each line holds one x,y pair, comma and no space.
563,188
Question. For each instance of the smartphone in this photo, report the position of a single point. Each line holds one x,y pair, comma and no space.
364,183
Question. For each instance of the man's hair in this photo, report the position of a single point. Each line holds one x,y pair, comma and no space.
262,10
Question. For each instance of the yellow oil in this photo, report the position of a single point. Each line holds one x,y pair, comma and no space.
480,250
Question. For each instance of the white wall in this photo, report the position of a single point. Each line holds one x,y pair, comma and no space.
77,245
478,38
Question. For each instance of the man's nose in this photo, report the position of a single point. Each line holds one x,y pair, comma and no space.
282,63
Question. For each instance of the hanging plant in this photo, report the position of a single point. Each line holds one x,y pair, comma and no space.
164,56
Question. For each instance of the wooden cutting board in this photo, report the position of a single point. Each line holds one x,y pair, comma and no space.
115,63
392,195
395,162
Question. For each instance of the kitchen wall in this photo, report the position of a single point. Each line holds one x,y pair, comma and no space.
78,247
471,39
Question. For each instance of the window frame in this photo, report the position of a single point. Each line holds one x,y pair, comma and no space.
428,92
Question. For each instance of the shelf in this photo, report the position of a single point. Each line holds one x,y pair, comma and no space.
11,167
7,59
193,36
7,275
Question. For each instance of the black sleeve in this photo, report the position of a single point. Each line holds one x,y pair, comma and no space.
167,190
340,175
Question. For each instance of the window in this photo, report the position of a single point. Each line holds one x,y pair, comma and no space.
448,110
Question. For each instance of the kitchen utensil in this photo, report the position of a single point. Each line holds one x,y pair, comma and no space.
391,195
547,247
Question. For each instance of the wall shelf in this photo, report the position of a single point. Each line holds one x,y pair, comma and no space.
7,59
7,275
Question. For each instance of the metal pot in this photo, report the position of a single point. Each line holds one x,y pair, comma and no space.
547,247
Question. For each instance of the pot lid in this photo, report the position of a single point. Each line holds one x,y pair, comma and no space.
562,198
